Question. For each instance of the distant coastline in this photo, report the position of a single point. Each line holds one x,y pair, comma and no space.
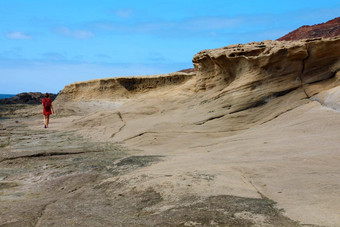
6,96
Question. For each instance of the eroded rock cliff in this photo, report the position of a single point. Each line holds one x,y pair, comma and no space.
251,75
232,88
121,87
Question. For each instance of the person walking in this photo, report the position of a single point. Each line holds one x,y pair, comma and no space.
48,109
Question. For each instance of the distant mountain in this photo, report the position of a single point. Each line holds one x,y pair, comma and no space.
26,98
325,30
191,70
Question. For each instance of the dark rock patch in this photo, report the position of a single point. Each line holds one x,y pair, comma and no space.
30,98
325,30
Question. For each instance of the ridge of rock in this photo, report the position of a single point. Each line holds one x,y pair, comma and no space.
326,30
252,83
121,87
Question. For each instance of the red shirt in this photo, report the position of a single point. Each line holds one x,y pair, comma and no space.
47,110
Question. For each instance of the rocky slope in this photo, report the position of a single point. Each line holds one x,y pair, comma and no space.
237,93
325,30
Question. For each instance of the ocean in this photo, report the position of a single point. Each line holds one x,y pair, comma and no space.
4,96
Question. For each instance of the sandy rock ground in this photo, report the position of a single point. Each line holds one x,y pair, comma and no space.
284,172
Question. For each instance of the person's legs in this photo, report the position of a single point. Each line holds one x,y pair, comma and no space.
47,120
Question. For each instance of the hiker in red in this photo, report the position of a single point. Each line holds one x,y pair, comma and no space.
48,109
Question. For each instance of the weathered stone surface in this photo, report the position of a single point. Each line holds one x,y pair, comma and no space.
243,77
122,87
51,178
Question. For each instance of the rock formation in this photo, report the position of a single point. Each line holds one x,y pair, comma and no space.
255,74
237,81
26,98
122,87
324,30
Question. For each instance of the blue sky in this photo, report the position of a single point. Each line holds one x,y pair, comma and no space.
47,44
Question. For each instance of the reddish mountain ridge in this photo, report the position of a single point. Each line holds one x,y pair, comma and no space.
326,30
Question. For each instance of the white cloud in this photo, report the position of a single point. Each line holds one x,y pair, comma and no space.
211,23
125,13
188,27
53,56
18,35
103,56
216,27
78,34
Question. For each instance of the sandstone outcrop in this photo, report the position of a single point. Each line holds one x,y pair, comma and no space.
240,76
232,88
254,74
122,87
325,30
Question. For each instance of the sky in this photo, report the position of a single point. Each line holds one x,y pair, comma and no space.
48,44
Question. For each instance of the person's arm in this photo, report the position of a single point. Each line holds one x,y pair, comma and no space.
52,108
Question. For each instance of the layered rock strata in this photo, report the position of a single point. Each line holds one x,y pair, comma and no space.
232,88
121,87
251,75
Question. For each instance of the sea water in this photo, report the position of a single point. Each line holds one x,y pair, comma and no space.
4,96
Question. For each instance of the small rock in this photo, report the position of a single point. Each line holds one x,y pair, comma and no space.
191,223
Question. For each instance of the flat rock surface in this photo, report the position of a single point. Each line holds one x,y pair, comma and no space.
265,176
51,177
